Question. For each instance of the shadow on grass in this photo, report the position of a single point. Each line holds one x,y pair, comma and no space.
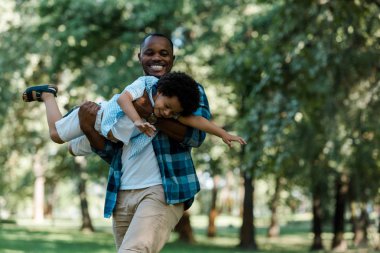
179,247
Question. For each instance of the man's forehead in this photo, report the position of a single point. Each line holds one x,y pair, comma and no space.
157,41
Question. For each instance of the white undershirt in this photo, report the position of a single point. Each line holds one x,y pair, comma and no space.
138,172
141,170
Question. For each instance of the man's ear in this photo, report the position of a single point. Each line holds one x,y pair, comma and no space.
139,56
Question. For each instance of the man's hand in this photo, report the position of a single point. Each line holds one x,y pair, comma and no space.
87,115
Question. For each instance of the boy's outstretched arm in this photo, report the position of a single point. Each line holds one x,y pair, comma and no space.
211,128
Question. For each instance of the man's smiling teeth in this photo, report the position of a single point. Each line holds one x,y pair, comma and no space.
156,67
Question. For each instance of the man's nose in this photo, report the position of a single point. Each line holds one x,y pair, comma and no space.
156,57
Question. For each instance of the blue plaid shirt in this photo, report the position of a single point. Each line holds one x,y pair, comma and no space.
179,178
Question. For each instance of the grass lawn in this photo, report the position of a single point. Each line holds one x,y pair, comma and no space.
64,236
42,239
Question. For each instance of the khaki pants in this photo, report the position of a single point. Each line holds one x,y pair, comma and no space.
142,221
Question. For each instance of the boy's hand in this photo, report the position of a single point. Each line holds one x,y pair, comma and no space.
145,127
229,138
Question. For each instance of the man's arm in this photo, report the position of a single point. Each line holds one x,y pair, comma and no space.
87,116
172,128
104,148
195,137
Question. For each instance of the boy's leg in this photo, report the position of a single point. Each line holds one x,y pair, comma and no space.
152,222
53,114
46,93
68,128
80,146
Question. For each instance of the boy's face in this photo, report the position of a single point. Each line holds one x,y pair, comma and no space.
156,56
166,107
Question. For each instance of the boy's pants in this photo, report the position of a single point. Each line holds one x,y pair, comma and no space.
142,221
68,128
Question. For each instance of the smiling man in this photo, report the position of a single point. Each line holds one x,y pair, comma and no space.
145,214
156,55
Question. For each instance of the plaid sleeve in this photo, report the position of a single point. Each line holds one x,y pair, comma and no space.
195,137
112,155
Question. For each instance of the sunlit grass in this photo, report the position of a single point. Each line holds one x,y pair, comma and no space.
63,236
15,238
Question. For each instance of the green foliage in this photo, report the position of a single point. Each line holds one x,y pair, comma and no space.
301,69
305,68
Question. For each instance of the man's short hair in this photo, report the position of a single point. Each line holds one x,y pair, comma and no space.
156,35
183,87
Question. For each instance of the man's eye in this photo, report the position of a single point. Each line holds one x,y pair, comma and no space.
148,52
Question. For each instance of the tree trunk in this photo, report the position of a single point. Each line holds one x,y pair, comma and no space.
354,219
338,243
274,227
211,230
378,232
184,229
317,220
247,232
86,218
50,198
360,229
39,188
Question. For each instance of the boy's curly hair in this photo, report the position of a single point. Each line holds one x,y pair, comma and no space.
183,87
